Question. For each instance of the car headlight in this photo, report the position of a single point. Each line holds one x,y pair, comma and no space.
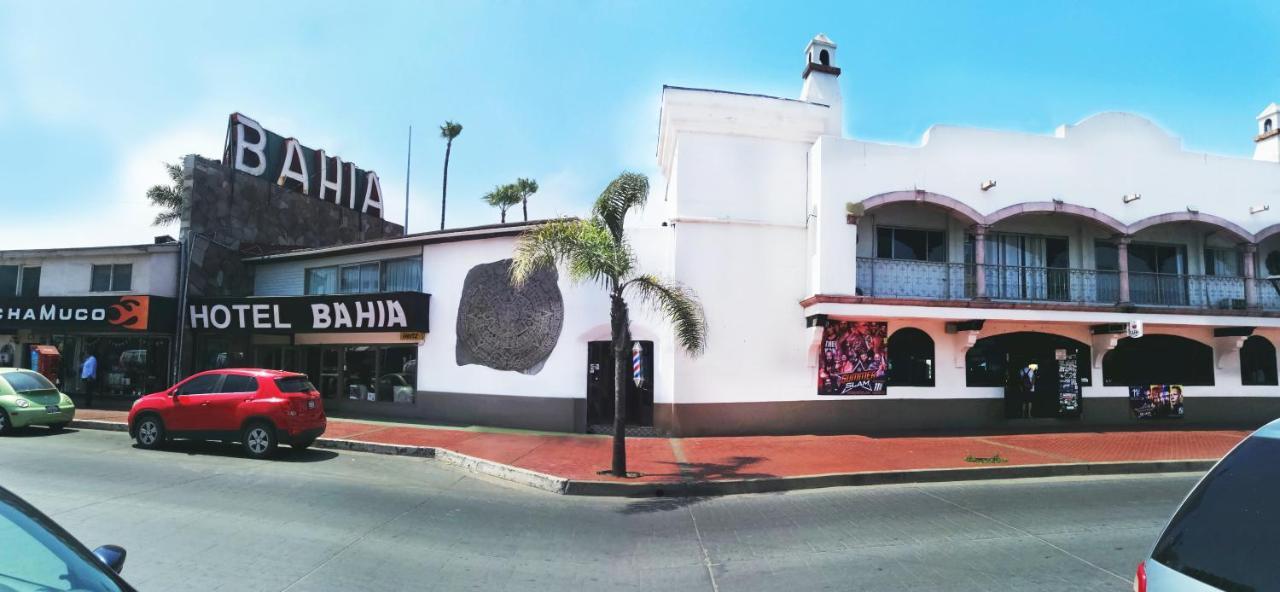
23,403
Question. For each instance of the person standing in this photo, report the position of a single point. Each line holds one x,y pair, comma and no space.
89,378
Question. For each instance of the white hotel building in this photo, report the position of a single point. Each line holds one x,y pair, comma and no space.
983,253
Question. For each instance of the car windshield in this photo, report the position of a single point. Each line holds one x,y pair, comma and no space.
36,559
26,381
294,384
1224,534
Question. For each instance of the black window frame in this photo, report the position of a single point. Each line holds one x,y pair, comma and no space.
928,235
10,279
29,281
1258,362
113,271
907,361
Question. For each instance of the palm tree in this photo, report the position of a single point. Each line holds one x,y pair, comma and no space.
168,197
526,187
503,197
448,131
597,249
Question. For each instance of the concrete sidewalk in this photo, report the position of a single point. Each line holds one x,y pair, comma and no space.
571,463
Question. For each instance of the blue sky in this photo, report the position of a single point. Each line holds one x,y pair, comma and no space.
94,96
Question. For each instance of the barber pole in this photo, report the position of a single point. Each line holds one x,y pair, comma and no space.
637,364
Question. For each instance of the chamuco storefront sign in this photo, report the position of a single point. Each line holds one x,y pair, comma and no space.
89,314
350,313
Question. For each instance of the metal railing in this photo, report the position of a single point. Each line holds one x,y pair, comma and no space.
899,278
1268,294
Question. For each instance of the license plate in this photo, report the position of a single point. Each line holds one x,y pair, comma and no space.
52,409
311,404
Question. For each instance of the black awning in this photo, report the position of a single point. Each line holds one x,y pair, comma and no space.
331,313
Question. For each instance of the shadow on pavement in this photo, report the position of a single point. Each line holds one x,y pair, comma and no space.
38,432
733,469
232,450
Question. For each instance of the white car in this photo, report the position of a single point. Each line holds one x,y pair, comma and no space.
1226,534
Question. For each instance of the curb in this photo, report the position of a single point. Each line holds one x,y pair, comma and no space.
564,486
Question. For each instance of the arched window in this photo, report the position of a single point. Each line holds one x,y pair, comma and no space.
1158,359
987,362
1258,362
824,57
910,358
1266,126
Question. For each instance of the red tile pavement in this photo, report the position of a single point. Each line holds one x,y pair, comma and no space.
581,457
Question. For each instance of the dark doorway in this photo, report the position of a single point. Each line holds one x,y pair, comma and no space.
1041,373
600,387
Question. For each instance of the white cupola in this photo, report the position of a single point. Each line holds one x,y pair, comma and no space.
821,81
1267,142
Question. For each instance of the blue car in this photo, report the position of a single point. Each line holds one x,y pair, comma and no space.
1226,534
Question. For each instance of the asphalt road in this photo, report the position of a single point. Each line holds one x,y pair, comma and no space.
204,518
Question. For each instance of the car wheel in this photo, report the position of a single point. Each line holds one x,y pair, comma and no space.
303,445
150,432
259,439
5,425
57,427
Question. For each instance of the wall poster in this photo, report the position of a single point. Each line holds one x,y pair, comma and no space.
1068,382
1156,401
853,358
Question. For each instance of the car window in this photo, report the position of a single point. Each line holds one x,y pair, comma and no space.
1225,534
239,384
26,381
35,558
200,385
294,384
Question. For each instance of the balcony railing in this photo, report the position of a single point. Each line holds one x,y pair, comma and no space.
897,278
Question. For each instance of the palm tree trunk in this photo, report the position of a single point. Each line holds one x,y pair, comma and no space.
618,316
524,203
444,188
503,219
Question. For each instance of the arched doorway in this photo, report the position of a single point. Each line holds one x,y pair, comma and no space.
1041,373
910,358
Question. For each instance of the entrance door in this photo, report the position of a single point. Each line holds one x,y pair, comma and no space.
1031,388
330,372
600,395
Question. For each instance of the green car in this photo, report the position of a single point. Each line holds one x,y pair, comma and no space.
28,398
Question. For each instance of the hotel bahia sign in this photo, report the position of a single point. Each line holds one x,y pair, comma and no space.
286,162
390,311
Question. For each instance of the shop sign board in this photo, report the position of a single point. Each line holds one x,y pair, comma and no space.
402,312
262,153
853,359
99,314
1156,401
1134,329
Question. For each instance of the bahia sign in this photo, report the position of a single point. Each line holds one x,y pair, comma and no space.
287,163
345,313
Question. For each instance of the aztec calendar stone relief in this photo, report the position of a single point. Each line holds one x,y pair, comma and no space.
508,328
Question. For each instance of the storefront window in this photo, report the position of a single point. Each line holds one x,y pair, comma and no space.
1258,362
1158,359
399,367
910,358
361,373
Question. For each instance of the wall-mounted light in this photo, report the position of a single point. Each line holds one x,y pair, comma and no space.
988,184
1132,197
1259,209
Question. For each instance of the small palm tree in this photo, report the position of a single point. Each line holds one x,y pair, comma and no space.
503,197
526,187
597,249
448,131
169,198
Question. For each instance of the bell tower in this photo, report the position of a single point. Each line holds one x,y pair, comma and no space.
1267,142
822,81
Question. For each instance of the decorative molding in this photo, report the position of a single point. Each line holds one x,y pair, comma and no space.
1102,344
964,342
1226,346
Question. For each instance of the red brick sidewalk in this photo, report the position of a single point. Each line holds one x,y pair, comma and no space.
580,457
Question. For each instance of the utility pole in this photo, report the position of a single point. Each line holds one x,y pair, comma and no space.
407,170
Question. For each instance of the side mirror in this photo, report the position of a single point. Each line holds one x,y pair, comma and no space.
112,556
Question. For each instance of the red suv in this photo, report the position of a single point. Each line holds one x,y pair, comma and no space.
258,408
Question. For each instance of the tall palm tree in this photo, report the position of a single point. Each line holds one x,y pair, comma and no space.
503,197
596,249
526,187
448,131
168,197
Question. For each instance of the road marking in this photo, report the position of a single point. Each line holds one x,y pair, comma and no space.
706,557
